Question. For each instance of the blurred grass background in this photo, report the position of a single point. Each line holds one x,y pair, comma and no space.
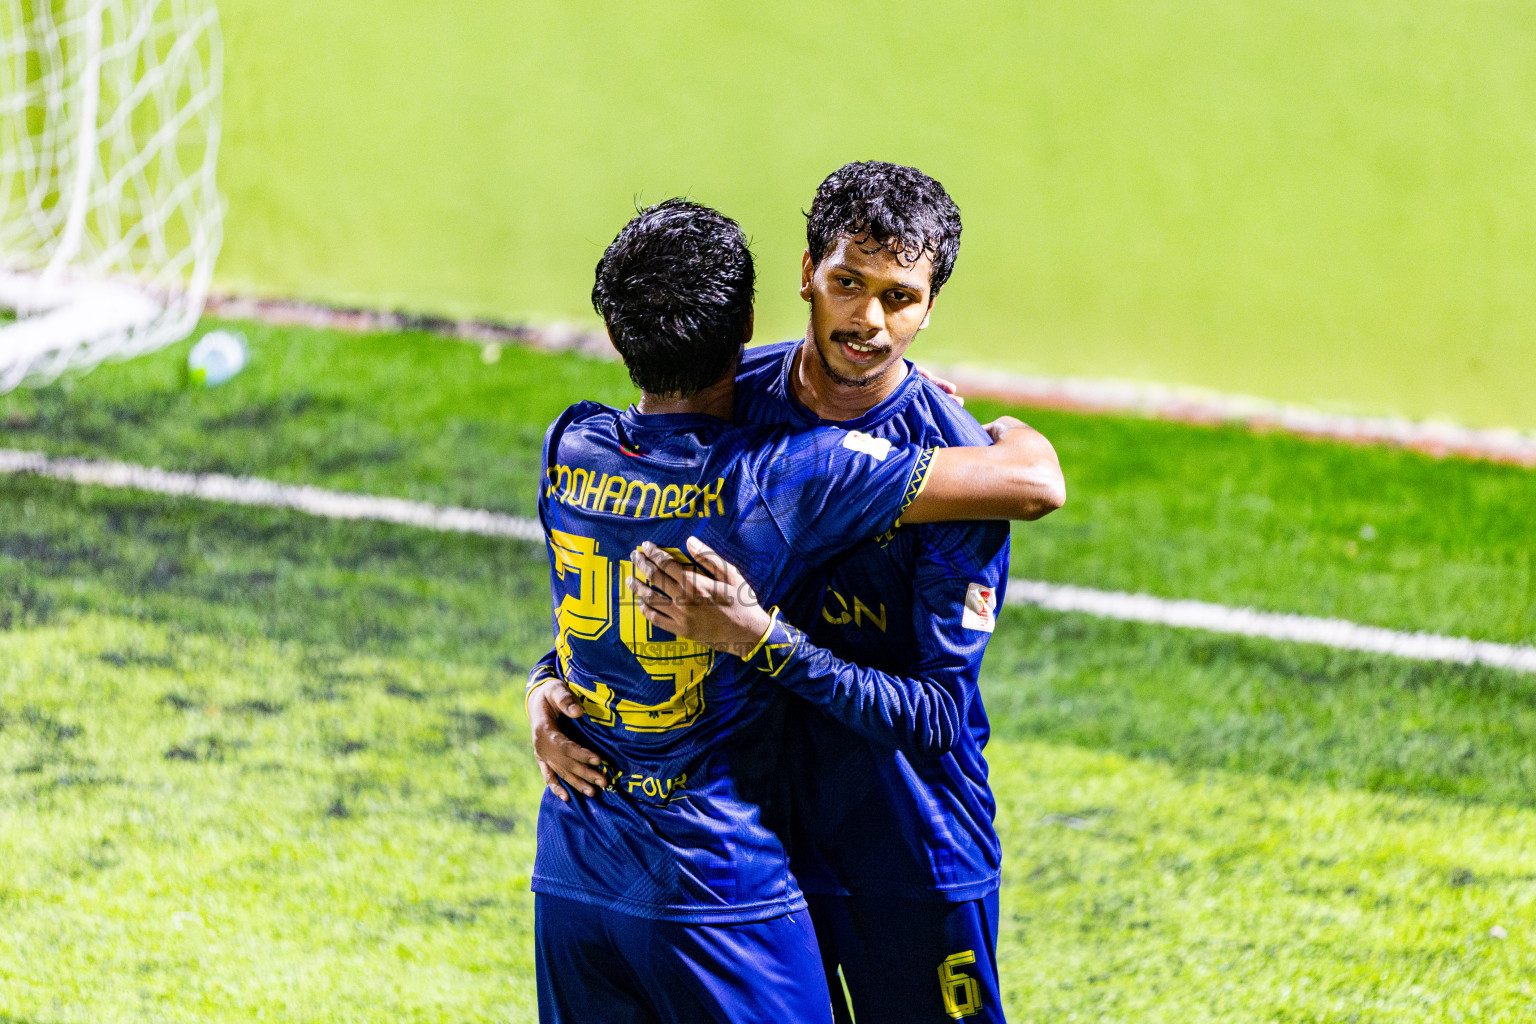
1333,203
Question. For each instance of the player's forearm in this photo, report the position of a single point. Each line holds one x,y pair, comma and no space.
1019,477
914,715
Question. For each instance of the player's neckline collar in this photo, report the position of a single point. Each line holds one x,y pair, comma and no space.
669,422
885,410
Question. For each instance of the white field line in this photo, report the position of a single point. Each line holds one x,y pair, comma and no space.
245,490
1305,629
1197,405
1060,597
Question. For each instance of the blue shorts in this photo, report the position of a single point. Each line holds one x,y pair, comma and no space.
598,966
905,960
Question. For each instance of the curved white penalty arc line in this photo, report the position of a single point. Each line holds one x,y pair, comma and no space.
1059,597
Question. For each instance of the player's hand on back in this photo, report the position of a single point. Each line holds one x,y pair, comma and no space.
715,607
560,757
946,386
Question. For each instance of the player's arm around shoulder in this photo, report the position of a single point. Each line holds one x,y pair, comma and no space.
1017,477
716,607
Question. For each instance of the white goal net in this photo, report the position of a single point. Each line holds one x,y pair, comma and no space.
110,220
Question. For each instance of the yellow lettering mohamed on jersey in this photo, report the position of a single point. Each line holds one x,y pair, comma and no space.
611,492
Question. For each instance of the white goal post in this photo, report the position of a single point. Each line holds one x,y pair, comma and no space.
110,219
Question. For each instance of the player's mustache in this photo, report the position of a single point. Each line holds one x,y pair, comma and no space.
854,336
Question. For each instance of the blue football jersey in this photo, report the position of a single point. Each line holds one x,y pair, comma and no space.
691,827
890,796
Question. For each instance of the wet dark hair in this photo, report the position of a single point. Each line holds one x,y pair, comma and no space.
897,207
675,289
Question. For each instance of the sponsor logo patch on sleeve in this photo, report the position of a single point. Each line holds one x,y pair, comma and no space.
875,447
980,608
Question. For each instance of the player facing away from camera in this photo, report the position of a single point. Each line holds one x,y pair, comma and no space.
666,895
894,841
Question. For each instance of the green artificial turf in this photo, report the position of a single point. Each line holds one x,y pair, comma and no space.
255,764
208,827
410,415
1327,201
1370,534
1198,700
1135,893
259,765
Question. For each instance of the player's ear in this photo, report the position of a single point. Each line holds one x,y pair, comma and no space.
746,332
807,271
929,314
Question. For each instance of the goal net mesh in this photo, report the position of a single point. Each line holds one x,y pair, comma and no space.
110,220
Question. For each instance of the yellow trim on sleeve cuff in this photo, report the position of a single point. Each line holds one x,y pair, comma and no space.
772,621
917,483
534,682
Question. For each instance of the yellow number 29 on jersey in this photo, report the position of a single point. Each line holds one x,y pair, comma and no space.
586,611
